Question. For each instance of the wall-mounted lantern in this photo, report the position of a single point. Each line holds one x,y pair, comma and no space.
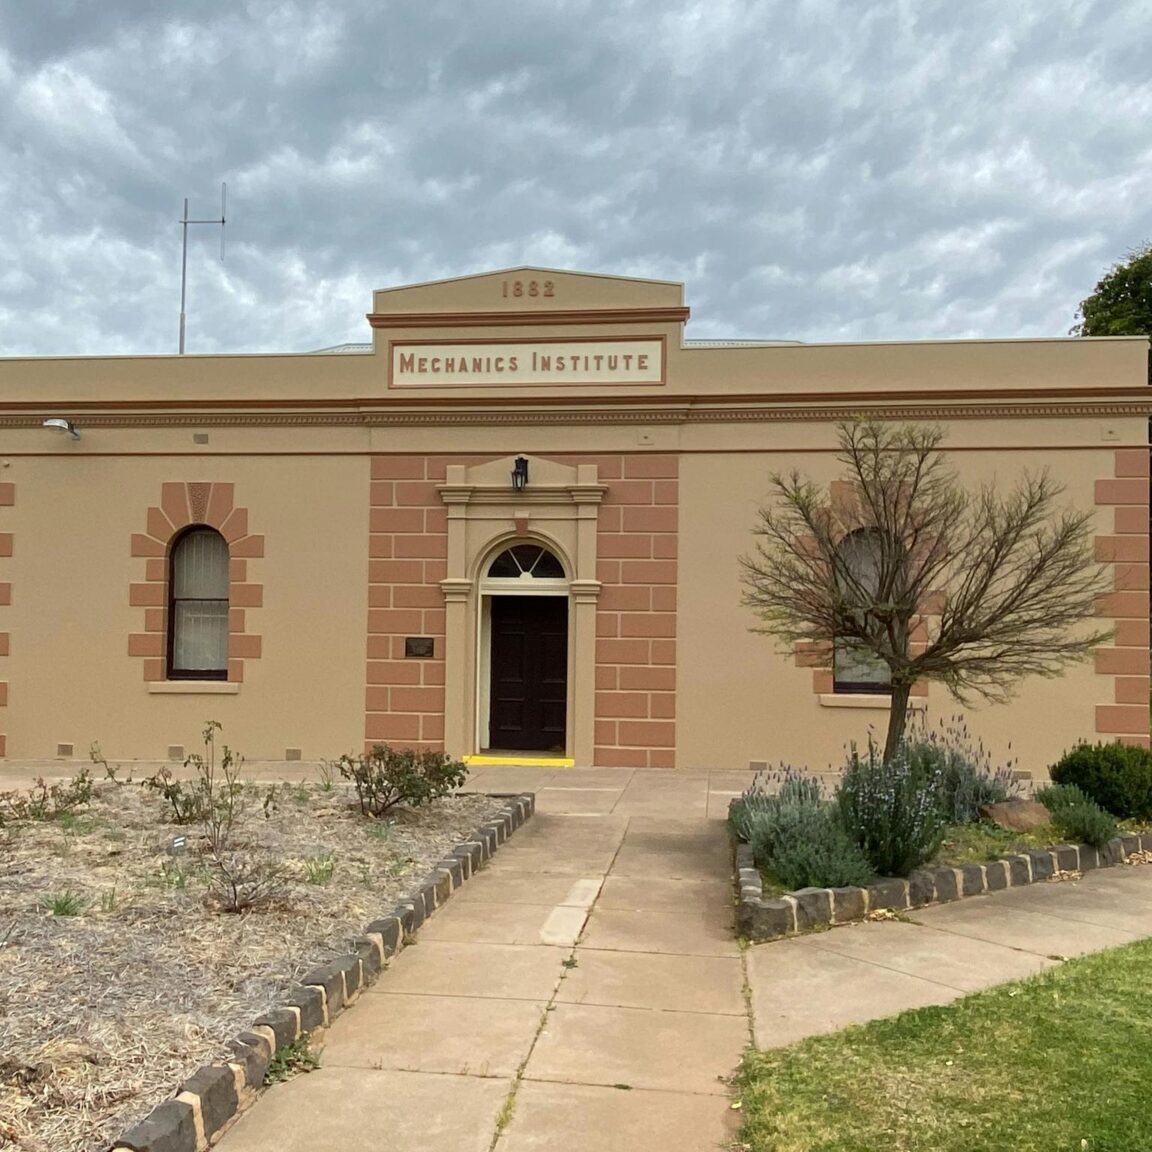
520,474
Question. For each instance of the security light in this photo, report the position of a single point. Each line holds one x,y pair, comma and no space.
59,425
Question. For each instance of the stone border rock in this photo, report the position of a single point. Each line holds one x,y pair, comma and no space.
759,919
208,1102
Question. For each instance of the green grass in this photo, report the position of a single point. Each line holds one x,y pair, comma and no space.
1057,1063
66,903
980,842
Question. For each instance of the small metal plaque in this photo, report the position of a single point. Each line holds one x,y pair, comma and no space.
420,647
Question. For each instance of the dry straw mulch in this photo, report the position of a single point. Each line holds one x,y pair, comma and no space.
104,1012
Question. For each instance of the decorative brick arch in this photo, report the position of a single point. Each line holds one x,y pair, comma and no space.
182,505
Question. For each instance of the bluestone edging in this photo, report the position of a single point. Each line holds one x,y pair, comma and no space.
760,919
209,1101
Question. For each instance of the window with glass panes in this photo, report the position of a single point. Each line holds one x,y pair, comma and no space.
198,607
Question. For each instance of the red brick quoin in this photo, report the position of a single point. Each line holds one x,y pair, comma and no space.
1122,501
636,550
408,557
183,504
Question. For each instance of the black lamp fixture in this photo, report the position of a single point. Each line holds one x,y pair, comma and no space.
520,474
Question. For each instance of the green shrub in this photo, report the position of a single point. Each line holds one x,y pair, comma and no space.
1116,776
1077,817
893,811
1059,797
969,777
765,794
805,846
386,776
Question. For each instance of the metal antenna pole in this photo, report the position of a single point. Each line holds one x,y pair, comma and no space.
184,222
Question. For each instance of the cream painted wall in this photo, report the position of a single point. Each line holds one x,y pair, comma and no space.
740,700
71,677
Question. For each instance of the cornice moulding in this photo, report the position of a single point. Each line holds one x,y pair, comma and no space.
685,413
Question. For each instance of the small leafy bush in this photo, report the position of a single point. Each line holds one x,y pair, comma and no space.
794,833
1116,776
893,811
969,777
47,801
1077,817
293,1058
765,794
805,846
388,776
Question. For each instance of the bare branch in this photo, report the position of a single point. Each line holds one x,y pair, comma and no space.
1010,577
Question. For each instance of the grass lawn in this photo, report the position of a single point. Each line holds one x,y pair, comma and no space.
1061,1061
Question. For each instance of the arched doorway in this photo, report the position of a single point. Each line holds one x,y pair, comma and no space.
524,651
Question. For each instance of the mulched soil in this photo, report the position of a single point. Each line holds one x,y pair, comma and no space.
104,1011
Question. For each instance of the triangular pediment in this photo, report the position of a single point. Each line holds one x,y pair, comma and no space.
528,289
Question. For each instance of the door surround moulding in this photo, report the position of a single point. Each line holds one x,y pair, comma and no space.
559,509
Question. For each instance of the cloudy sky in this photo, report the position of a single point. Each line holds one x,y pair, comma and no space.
811,169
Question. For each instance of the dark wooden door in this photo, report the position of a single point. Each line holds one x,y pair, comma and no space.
528,686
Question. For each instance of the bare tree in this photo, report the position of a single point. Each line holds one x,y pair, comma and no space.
901,566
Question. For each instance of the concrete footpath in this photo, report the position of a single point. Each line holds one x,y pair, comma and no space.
585,991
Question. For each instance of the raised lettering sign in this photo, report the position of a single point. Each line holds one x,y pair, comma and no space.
528,362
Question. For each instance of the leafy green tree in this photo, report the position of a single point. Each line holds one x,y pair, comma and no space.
902,567
1122,302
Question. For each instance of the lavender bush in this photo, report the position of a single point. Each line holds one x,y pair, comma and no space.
970,778
767,792
893,810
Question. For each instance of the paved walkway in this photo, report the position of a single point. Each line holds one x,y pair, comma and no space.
585,992
499,1021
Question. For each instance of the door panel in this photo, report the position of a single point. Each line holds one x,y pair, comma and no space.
528,685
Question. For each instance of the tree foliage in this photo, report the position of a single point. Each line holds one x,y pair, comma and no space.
1121,305
972,589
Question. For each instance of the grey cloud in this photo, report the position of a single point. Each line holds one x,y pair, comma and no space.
819,169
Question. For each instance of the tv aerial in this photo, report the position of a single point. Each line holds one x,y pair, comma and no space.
184,221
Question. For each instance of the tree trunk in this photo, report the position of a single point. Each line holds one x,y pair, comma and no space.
897,719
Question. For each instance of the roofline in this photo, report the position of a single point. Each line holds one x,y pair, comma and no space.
531,268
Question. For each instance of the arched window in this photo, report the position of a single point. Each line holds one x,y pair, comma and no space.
198,606
526,561
855,668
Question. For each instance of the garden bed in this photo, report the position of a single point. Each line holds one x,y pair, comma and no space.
762,916
120,976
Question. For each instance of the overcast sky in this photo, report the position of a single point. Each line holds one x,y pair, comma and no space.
815,169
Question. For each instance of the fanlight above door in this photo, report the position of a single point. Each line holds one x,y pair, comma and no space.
526,562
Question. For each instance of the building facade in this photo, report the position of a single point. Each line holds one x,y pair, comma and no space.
511,524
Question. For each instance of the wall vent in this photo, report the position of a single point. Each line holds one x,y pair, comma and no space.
176,753
65,751
293,753
757,765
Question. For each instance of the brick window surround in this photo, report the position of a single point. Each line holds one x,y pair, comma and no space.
1122,544
818,656
183,504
